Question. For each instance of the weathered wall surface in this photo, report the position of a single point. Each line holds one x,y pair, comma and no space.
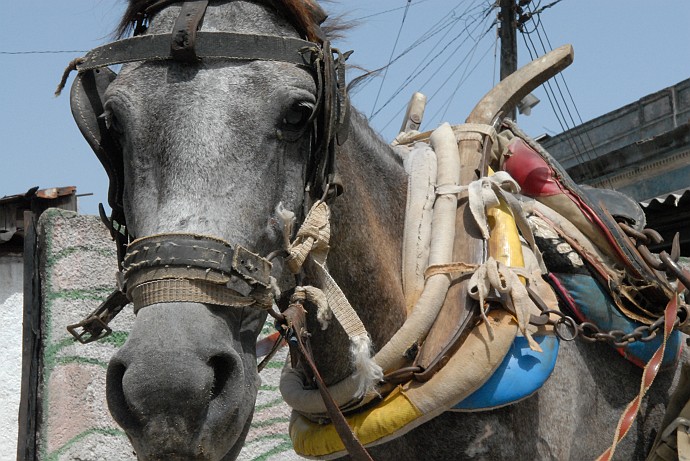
78,266
11,311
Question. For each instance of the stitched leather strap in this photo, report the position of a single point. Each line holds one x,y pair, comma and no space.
295,316
208,45
187,250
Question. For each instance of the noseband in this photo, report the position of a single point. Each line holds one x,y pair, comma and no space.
199,268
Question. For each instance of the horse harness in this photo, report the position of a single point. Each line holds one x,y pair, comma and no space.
181,263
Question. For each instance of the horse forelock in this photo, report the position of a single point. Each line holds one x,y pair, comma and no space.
305,15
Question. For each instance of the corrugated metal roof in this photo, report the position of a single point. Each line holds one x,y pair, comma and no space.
671,200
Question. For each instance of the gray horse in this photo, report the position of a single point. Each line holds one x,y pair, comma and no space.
214,148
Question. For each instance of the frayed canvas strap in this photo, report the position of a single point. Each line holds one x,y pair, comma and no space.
312,242
494,275
183,290
331,302
312,238
487,193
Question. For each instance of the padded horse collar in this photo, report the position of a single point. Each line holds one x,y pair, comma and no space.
189,45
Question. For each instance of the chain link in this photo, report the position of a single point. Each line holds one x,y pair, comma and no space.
567,328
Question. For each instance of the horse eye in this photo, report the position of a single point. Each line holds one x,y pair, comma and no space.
297,115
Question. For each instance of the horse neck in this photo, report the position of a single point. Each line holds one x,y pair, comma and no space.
366,245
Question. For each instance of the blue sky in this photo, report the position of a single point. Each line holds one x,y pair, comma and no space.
624,50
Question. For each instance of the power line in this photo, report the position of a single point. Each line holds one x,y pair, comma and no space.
589,150
582,158
422,66
42,52
387,11
390,58
464,78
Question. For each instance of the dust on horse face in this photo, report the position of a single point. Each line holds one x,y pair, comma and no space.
209,148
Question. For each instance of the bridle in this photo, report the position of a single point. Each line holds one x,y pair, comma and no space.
200,268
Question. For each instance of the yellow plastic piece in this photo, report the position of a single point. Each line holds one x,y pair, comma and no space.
389,416
504,239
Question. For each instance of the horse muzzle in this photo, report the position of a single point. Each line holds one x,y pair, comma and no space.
182,382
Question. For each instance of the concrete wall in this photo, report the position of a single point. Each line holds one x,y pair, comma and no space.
11,311
78,267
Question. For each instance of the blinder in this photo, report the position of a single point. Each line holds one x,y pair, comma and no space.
187,44
87,104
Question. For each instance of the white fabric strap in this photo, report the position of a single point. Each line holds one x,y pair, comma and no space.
494,275
486,193
420,165
339,305
331,302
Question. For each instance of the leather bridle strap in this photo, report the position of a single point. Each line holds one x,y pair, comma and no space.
297,336
195,268
182,46
227,45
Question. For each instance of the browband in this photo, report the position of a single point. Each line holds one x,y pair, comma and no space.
208,45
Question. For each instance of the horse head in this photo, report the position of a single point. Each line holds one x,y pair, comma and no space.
209,145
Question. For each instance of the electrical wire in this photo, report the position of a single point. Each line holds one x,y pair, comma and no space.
424,65
387,11
463,80
42,52
587,158
390,58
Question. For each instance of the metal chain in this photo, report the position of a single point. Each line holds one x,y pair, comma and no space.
567,329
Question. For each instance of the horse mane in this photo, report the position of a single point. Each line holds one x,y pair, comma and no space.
305,15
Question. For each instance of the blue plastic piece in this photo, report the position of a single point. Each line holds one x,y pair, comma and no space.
520,375
595,305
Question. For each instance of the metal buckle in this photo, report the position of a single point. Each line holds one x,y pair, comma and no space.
95,325
93,329
252,267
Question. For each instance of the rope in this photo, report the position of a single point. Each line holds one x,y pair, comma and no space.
72,66
312,238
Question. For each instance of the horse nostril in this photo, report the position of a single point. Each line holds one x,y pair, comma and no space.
222,369
115,394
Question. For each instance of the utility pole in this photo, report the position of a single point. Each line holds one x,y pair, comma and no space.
508,37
